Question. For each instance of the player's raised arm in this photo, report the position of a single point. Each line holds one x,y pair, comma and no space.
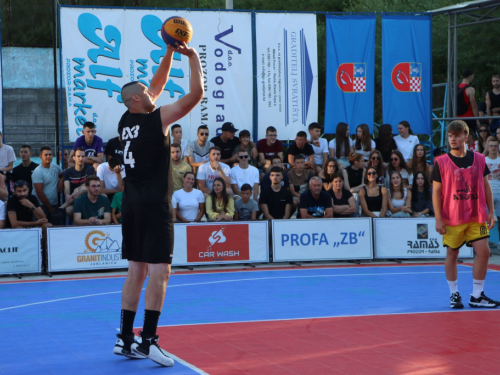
160,78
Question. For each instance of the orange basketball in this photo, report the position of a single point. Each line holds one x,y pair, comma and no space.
176,30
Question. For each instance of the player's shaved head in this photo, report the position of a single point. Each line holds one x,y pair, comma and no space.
130,89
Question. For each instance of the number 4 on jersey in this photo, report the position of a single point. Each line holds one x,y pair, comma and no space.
129,133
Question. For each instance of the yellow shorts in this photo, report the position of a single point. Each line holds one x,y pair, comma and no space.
458,235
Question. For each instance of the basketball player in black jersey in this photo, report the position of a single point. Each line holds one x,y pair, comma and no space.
148,232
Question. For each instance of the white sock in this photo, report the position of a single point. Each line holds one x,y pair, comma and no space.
453,286
477,288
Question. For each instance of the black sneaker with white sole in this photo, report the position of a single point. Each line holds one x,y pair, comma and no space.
149,347
122,346
483,301
456,301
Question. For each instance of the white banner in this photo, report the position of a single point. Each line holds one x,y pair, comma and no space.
287,72
410,238
102,49
1,88
217,243
20,251
85,248
322,239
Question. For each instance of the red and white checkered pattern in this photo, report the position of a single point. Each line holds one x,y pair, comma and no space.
359,84
415,84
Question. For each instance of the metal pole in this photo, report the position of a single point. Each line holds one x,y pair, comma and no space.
56,103
229,4
455,68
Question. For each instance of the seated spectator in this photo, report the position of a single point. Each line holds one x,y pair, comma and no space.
64,158
276,201
471,142
377,162
7,157
355,173
398,164
244,174
299,179
268,148
498,134
91,143
344,204
219,204
74,180
2,215
4,193
399,202
326,175
373,197
47,182
266,179
110,173
385,143
92,208
23,208
176,131
301,147
116,205
484,133
249,147
342,146
319,145
245,208
208,172
24,170
418,162
188,202
179,166
314,202
405,141
227,142
421,196
114,149
198,150
364,145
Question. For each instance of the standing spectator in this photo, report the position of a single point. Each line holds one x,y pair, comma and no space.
419,161
22,207
329,171
405,141
114,149
421,196
276,201
301,147
377,162
24,170
248,146
7,156
299,179
179,166
227,142
176,131
319,145
110,173
385,143
74,180
188,202
398,164
373,197
355,173
92,208
344,204
364,144
244,174
493,101
48,181
314,202
399,202
91,143
245,208
198,150
266,180
484,133
219,204
466,100
493,164
342,146
208,172
268,148
116,205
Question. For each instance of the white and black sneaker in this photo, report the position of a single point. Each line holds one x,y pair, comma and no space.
456,301
149,347
122,346
483,301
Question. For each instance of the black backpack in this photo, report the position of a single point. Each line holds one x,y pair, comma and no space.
462,107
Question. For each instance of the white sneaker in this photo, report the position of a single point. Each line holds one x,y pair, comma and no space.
154,352
123,344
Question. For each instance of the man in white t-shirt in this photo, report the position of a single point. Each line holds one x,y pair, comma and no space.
208,172
197,150
405,141
244,173
493,163
7,156
319,145
110,174
188,203
176,131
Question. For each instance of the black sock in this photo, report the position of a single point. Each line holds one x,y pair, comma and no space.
127,322
151,318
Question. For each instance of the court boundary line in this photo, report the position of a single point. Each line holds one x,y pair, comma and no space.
185,363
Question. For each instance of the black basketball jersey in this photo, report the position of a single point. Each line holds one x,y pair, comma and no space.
146,156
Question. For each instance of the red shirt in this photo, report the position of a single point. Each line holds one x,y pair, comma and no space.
269,151
469,112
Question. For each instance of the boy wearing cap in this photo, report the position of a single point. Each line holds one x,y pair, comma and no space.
227,142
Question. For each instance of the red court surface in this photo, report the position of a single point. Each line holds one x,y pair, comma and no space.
462,342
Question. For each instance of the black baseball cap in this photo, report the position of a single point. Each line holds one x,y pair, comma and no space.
229,127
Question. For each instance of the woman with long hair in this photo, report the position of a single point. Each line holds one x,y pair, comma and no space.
399,202
373,197
398,164
326,175
406,141
484,133
342,146
188,202
421,196
376,162
355,172
364,145
418,162
385,143
219,204
344,204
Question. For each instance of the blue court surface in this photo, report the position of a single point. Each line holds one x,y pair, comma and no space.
69,326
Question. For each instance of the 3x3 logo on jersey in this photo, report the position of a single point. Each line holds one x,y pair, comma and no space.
127,135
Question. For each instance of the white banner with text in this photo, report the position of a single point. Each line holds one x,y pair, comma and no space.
20,251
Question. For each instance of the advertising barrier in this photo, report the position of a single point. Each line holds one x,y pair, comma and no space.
410,238
322,239
20,251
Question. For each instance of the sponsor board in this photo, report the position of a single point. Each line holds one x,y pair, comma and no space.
20,251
